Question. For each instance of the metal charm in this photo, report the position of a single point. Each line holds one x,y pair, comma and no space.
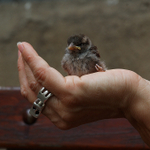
39,103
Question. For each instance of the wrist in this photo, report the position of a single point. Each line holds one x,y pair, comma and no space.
138,108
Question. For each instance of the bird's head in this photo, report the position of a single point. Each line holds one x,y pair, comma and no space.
78,43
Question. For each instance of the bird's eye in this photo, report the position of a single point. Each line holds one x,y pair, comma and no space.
80,44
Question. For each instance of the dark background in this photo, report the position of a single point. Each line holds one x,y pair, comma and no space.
119,28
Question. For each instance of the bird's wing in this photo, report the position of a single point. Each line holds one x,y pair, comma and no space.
95,51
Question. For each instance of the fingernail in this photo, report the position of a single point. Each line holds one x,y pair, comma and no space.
20,46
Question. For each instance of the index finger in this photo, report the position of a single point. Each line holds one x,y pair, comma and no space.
47,76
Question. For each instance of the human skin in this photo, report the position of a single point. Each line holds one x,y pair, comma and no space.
116,93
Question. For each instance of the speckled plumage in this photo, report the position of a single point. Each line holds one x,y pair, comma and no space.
82,57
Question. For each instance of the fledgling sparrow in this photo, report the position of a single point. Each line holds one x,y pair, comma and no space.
81,57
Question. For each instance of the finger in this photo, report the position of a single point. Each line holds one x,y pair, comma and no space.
43,73
25,90
33,84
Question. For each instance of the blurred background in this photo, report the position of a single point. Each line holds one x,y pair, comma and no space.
119,28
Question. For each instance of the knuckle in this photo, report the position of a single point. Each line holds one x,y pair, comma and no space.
40,75
19,68
33,85
24,93
66,117
71,102
63,126
29,59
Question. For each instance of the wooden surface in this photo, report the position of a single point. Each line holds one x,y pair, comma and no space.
14,133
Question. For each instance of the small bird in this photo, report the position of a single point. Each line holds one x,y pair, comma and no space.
81,56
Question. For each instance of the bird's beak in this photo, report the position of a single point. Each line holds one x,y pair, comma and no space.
73,47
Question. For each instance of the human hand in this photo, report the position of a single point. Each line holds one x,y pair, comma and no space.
78,100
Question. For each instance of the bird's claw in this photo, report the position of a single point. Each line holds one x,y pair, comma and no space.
99,68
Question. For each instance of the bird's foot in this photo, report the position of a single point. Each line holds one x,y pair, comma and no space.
99,68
